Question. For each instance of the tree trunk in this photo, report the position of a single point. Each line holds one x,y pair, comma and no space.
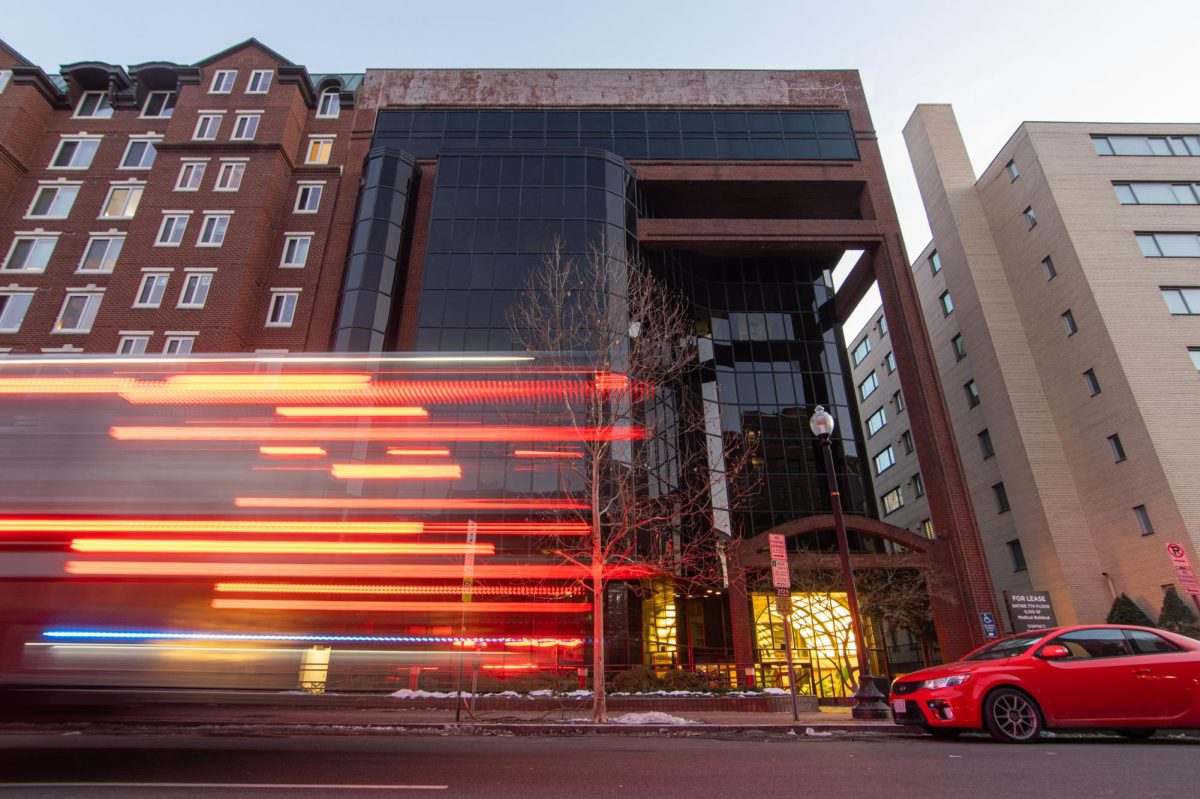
599,706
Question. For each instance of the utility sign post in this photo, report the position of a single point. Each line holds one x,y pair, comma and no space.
781,580
468,582
1187,577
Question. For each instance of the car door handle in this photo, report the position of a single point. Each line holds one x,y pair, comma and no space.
1141,670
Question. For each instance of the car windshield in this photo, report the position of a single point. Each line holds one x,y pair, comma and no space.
1006,648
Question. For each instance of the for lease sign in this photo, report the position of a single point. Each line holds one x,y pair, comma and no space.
1030,611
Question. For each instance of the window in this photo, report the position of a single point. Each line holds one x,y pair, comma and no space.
319,150
860,352
260,81
889,361
1118,451
308,198
1001,495
13,305
101,253
985,444
222,82
898,401
195,289
1182,301
876,422
159,104
170,234
906,439
1030,217
122,202
1169,245
245,126
95,105
892,501
52,202
139,154
960,349
972,392
206,127
78,312
150,293
191,175
1069,322
947,303
1148,643
884,460
133,345
282,309
1147,145
1143,520
30,253
1195,355
881,326
927,528
935,262
1013,172
1093,383
1017,554
1097,643
230,176
329,105
5,77
212,230
867,387
75,153
295,251
1157,193
178,345
1048,266
918,485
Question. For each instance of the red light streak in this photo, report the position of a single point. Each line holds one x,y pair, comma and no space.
542,643
256,527
196,546
341,411
512,666
291,452
396,471
404,590
513,528
379,503
385,571
402,607
545,453
415,433
430,453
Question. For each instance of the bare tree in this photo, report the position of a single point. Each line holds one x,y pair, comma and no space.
658,478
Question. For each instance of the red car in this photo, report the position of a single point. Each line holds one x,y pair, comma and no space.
1133,680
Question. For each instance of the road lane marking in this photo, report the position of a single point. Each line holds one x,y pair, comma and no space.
255,785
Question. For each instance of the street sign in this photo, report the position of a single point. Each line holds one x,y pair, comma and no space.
990,628
1187,577
1030,611
781,578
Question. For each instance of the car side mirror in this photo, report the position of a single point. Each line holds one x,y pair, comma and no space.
1054,652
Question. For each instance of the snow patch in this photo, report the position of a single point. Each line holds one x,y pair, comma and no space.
809,732
408,693
774,691
653,717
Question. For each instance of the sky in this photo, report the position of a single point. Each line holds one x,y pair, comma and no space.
997,63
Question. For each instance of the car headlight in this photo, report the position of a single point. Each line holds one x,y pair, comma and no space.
946,682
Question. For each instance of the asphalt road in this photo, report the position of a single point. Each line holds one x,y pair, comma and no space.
211,767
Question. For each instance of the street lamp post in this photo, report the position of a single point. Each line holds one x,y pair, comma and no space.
868,701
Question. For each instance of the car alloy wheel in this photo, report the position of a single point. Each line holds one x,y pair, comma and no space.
1012,717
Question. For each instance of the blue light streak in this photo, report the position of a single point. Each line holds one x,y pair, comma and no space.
110,635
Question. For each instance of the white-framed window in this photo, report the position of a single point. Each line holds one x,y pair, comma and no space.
229,178
308,198
150,293
295,250
140,153
53,201
159,105
330,104
30,253
260,81
133,343
212,230
94,105
78,311
75,152
5,77
319,150
867,387
101,253
885,460
191,175
860,351
207,126
195,289
122,201
222,82
876,422
1169,245
892,501
245,126
282,309
178,345
170,233
13,305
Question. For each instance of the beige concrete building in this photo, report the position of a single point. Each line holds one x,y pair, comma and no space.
1062,295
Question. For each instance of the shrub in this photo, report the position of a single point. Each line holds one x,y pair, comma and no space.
1125,611
639,679
679,680
1176,616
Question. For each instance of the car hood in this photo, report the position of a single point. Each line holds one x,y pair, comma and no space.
946,670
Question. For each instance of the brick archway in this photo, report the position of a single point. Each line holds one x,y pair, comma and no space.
858,524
